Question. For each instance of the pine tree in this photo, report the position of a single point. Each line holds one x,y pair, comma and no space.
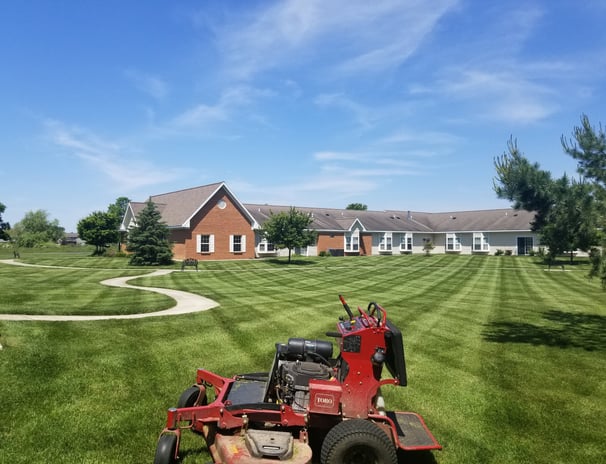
148,240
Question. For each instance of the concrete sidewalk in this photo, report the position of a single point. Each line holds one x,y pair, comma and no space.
185,302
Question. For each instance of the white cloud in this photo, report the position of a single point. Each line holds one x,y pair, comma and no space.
364,116
357,35
508,94
109,158
232,99
335,156
147,83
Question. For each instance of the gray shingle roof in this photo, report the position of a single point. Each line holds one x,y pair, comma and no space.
482,220
177,208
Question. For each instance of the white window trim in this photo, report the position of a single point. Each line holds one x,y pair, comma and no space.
242,243
456,242
386,243
211,243
263,247
353,247
406,237
484,245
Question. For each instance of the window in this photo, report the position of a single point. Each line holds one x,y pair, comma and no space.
406,242
266,247
352,241
453,242
480,242
525,245
237,243
206,243
385,243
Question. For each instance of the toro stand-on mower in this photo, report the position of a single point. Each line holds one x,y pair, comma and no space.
307,398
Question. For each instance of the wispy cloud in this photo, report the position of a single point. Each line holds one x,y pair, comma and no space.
147,83
109,158
358,35
504,94
203,115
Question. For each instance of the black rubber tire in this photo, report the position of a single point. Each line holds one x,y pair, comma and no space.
166,449
357,441
190,397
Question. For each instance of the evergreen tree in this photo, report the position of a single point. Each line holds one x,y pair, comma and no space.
148,240
567,212
4,226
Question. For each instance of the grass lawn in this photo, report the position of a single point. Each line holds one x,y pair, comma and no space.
505,360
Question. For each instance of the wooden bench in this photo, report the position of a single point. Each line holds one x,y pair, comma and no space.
189,262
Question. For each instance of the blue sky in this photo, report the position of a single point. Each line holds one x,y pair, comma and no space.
395,104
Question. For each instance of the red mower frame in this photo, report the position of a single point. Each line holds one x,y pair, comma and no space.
308,404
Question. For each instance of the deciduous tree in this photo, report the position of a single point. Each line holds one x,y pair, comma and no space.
99,229
36,229
289,229
357,206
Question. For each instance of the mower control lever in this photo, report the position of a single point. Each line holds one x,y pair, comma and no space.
346,306
334,334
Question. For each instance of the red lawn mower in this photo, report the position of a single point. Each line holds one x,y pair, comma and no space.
308,401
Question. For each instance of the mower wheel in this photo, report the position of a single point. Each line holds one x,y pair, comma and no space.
357,441
166,450
191,397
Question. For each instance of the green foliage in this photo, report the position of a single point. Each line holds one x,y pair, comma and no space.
289,230
571,222
357,206
597,257
99,229
566,212
523,183
35,230
118,208
148,240
588,147
4,226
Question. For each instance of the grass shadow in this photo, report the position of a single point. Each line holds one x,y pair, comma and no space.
293,262
562,329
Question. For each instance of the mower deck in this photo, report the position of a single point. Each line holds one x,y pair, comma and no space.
257,447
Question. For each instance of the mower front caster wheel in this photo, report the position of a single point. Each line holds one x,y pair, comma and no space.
358,441
193,396
166,451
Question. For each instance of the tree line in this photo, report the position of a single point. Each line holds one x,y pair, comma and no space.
570,212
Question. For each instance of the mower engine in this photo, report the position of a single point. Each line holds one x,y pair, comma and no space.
295,364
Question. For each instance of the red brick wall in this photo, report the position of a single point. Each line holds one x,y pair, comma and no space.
337,241
365,244
212,220
332,240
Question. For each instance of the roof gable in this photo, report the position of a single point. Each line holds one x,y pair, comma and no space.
178,208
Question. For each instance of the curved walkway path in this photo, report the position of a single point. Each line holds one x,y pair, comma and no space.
185,302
